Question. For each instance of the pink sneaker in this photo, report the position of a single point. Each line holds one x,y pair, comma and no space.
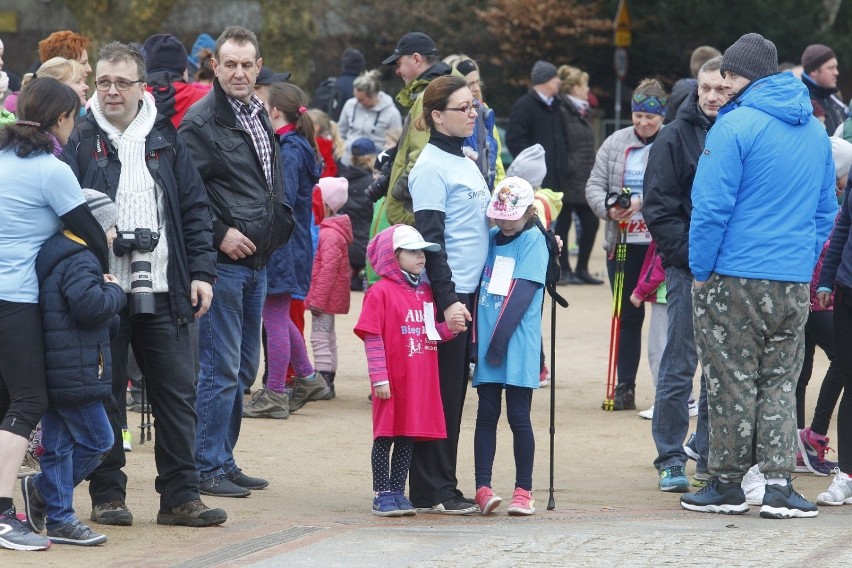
486,500
522,503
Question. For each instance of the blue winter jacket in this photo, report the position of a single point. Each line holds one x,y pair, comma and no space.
763,196
289,268
78,309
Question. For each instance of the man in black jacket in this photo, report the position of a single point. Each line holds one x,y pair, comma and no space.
234,147
164,258
819,74
535,118
672,163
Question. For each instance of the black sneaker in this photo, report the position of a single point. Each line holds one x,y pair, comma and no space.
15,535
75,532
192,514
455,506
221,486
240,479
113,513
33,504
785,503
624,399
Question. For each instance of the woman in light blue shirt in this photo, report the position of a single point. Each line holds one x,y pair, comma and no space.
38,194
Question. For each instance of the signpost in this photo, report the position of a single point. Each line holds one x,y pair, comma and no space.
623,38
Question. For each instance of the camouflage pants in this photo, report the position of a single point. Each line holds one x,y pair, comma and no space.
750,339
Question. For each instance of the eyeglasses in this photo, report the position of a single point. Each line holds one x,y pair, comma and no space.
466,108
120,85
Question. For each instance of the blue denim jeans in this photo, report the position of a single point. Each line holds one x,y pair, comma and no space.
75,438
674,383
229,345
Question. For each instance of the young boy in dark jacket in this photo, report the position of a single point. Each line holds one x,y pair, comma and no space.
79,305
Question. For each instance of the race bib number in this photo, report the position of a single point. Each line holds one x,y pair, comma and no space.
637,230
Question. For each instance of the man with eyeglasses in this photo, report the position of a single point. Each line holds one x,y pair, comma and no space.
166,244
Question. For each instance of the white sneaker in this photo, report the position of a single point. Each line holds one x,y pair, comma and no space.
839,492
693,408
754,486
647,414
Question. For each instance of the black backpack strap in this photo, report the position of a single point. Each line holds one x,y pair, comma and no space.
553,269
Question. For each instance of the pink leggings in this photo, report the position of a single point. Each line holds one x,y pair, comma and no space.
284,343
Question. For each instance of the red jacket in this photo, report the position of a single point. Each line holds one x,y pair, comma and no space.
330,277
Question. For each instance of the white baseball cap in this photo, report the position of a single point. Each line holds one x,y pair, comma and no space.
407,237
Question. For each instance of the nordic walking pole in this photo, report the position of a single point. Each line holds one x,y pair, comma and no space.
551,503
623,200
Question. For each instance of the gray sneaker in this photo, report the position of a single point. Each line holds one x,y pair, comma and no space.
113,513
75,532
306,389
267,404
33,503
15,535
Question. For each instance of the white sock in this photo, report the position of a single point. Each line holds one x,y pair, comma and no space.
776,481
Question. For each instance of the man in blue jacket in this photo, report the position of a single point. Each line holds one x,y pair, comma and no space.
763,206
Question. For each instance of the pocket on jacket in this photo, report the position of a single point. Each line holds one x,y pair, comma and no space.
245,217
229,143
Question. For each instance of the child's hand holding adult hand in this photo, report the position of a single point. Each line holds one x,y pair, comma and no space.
382,391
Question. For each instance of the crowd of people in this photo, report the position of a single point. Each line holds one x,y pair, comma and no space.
196,203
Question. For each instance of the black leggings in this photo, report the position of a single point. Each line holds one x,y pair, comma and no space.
23,391
630,342
589,224
843,328
390,475
819,332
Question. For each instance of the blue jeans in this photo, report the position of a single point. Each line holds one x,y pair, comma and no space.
75,438
229,345
674,382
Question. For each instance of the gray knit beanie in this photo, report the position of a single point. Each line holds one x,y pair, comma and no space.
102,207
529,165
542,72
752,56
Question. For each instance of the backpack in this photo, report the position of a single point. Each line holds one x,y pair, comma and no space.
328,98
553,269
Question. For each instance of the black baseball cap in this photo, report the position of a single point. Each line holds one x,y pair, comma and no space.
267,76
411,43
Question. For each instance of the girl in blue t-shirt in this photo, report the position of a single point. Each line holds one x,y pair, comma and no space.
508,316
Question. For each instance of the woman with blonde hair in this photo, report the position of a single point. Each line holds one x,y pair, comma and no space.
66,71
574,95
370,113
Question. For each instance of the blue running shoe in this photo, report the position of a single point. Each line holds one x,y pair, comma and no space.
717,497
385,505
690,449
404,505
673,479
785,503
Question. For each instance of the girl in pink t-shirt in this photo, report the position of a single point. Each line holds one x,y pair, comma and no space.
397,324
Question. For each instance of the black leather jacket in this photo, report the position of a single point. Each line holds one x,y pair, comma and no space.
239,194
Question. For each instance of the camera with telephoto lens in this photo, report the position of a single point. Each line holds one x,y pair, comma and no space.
139,243
379,187
622,199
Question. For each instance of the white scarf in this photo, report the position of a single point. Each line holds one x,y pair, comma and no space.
138,201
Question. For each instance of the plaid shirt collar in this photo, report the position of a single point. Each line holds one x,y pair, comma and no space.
248,115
